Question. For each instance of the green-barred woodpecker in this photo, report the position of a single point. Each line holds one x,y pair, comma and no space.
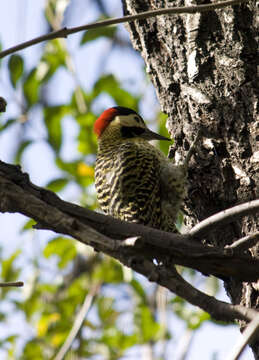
134,180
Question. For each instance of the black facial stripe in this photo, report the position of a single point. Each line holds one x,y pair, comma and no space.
131,131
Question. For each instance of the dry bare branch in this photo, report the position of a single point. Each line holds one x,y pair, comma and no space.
63,33
248,335
11,283
79,319
103,233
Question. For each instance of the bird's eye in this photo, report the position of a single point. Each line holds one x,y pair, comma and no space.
137,119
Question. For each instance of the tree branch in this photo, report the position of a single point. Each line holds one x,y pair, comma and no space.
170,278
80,317
11,283
63,33
141,247
223,217
248,335
104,233
244,243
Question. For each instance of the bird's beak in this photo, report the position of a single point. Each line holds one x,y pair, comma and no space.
150,135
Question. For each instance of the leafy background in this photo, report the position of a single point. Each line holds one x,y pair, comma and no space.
55,91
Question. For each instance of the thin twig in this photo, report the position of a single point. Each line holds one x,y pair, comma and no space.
10,283
224,217
63,33
248,335
184,344
244,243
55,21
80,317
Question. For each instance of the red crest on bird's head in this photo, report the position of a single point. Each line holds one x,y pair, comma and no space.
108,115
104,120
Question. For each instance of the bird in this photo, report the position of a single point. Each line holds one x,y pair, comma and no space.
134,180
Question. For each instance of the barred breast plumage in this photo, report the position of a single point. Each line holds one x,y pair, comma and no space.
134,180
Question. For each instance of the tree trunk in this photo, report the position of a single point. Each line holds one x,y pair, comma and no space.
203,67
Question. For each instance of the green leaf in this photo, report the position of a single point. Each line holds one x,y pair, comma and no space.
83,173
179,307
139,290
57,185
62,247
179,220
28,225
149,329
16,66
118,340
87,98
2,316
19,152
53,116
93,34
111,86
8,339
108,271
33,350
196,319
32,305
31,88
8,123
9,273
87,143
69,167
163,145
35,293
11,341
77,290
106,311
54,56
193,319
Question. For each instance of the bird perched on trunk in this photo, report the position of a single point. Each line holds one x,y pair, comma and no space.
134,180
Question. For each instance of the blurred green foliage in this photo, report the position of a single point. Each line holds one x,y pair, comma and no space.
90,35
15,65
124,314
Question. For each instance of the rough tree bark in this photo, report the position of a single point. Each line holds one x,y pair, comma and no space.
203,67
